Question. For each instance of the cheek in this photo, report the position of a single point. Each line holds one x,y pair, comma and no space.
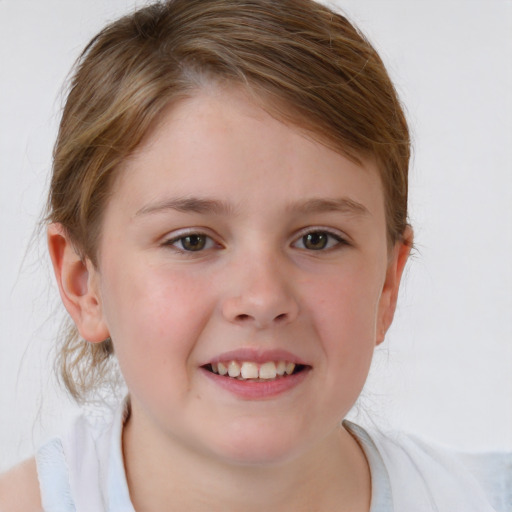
155,318
345,318
348,301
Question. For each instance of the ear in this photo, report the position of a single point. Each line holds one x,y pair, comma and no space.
396,264
78,282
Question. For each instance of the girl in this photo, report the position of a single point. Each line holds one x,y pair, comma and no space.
228,220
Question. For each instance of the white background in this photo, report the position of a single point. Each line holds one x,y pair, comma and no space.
445,372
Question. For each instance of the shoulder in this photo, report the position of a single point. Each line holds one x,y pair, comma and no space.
493,471
483,480
19,489
437,474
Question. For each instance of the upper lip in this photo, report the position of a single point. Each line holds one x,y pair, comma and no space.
257,356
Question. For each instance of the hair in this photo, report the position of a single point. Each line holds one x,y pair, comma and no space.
309,66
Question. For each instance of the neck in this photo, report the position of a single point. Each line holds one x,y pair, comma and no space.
333,475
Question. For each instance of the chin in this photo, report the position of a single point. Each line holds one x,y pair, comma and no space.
259,445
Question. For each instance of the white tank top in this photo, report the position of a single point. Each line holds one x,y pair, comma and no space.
83,471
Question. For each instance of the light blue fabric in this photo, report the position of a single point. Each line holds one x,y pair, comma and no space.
53,478
494,473
382,498
424,478
83,471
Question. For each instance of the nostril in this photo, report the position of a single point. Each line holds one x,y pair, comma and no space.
243,317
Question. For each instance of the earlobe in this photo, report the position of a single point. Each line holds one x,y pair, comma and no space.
77,280
389,296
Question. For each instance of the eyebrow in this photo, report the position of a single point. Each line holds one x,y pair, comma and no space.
187,205
214,206
341,205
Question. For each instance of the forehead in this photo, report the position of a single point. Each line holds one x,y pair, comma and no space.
221,143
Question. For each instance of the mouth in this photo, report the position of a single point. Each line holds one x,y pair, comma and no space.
253,371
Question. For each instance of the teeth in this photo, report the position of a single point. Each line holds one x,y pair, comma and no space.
268,370
289,368
233,369
221,368
251,370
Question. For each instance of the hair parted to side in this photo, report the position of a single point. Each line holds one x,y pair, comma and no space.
308,65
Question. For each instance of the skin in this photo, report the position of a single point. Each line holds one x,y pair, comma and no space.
259,188
19,489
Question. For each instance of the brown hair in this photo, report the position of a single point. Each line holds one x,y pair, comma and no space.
309,65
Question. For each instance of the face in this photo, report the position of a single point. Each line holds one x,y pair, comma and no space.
235,243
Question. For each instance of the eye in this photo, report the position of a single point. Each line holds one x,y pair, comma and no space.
191,242
318,240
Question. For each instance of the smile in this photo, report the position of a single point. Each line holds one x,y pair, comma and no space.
253,371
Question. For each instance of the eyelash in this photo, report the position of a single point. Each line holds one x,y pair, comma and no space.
209,242
330,237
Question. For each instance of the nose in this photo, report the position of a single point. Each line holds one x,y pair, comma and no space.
261,294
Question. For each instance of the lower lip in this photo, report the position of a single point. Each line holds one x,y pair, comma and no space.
257,390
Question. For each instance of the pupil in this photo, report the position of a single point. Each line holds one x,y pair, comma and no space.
194,242
315,241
